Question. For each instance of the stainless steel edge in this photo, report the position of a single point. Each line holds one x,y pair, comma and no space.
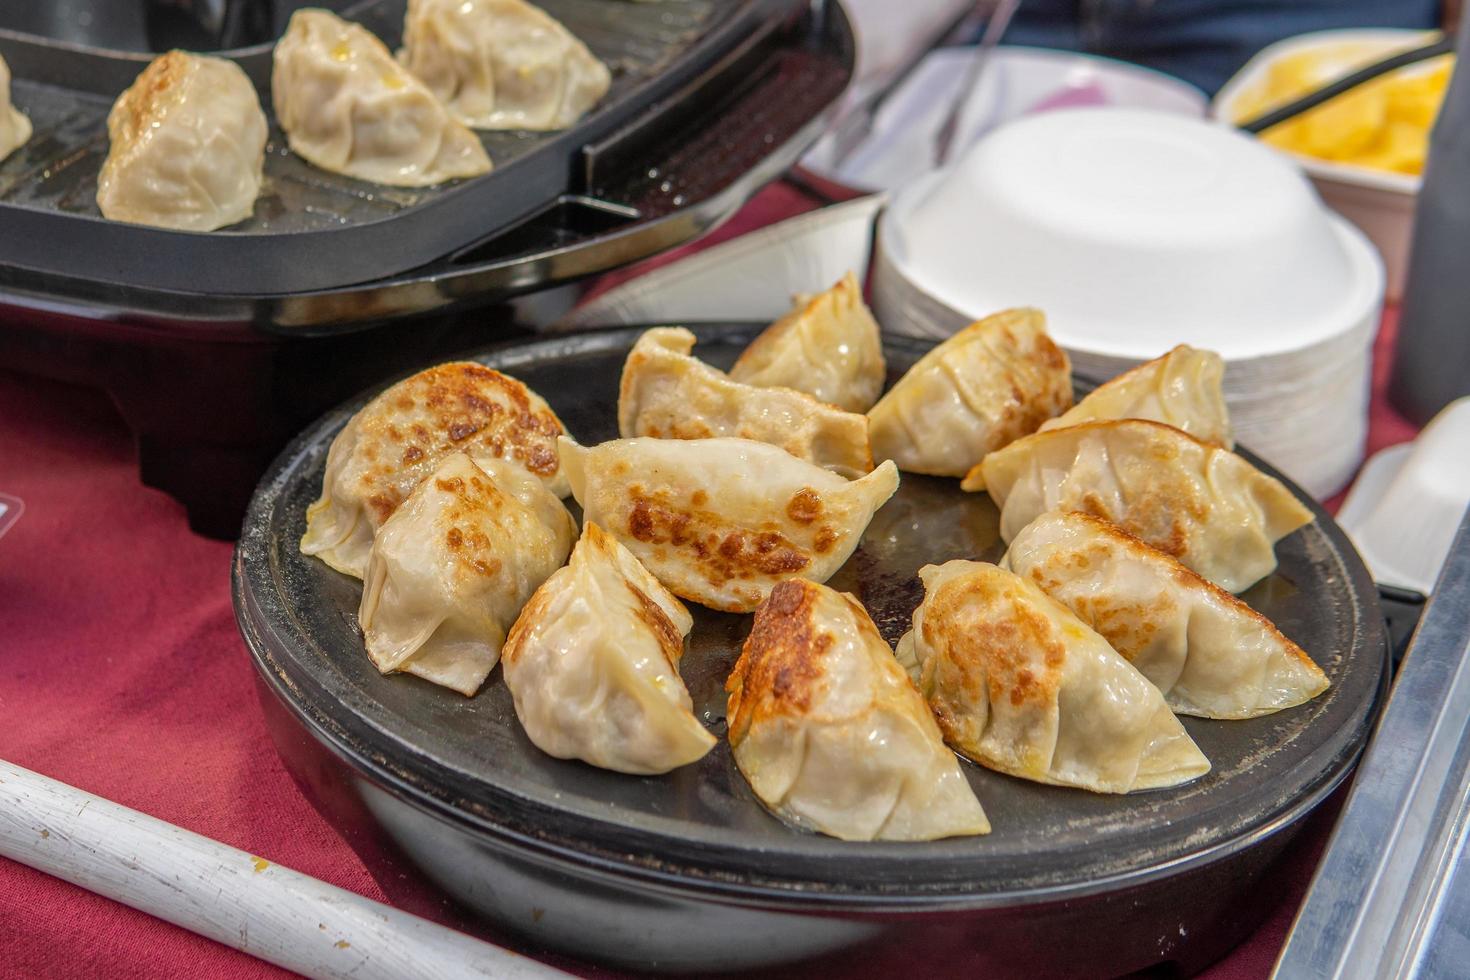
1392,897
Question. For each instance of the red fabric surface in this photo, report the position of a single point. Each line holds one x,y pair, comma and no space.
121,673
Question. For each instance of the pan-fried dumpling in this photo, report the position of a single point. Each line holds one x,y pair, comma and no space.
829,732
828,346
1210,653
593,665
667,393
1021,685
188,146
1207,507
501,64
15,128
451,569
348,107
1181,389
721,521
988,385
401,436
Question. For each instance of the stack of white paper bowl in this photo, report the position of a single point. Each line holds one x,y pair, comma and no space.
1135,231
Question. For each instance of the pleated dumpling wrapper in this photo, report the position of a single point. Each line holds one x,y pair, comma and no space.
501,64
667,393
187,146
829,731
348,107
1217,514
593,665
1182,389
1211,654
1022,686
988,385
721,521
451,569
828,346
401,436
15,127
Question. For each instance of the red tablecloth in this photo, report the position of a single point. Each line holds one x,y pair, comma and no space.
121,673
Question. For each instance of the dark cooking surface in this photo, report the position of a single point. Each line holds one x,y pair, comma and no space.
468,759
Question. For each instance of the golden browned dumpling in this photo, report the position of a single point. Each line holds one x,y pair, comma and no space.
348,107
1208,652
721,521
830,733
402,435
988,385
1021,685
450,570
1206,506
828,346
187,146
667,393
501,64
593,665
1181,389
15,128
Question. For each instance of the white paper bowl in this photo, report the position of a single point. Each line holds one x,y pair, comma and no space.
1377,201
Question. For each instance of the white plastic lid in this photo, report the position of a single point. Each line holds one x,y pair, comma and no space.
1135,231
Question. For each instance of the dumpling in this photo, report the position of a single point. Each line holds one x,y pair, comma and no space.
1021,685
666,393
501,64
721,521
348,107
593,665
450,570
829,732
15,128
988,385
1181,389
188,146
1216,513
1208,652
828,346
401,436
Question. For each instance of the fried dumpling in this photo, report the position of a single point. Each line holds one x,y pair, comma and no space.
15,128
830,733
1181,389
501,64
721,521
667,393
828,346
1208,652
1206,506
988,385
450,570
348,107
187,146
399,437
593,665
1021,685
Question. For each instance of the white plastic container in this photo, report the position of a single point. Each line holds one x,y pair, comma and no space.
1377,201
1135,231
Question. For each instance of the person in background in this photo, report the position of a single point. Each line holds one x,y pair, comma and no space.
1204,41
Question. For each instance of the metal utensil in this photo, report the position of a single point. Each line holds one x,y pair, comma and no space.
1000,19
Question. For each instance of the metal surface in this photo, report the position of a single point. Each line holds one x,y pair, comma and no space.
1392,898
698,838
1000,18
313,229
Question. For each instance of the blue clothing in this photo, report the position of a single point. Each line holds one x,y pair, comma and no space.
1200,41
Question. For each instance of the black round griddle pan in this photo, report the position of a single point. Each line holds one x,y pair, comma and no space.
688,871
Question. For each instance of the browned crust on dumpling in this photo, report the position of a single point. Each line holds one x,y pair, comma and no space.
464,415
1179,573
150,96
781,660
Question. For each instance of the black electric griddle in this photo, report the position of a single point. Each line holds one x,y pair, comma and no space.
687,871
712,99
